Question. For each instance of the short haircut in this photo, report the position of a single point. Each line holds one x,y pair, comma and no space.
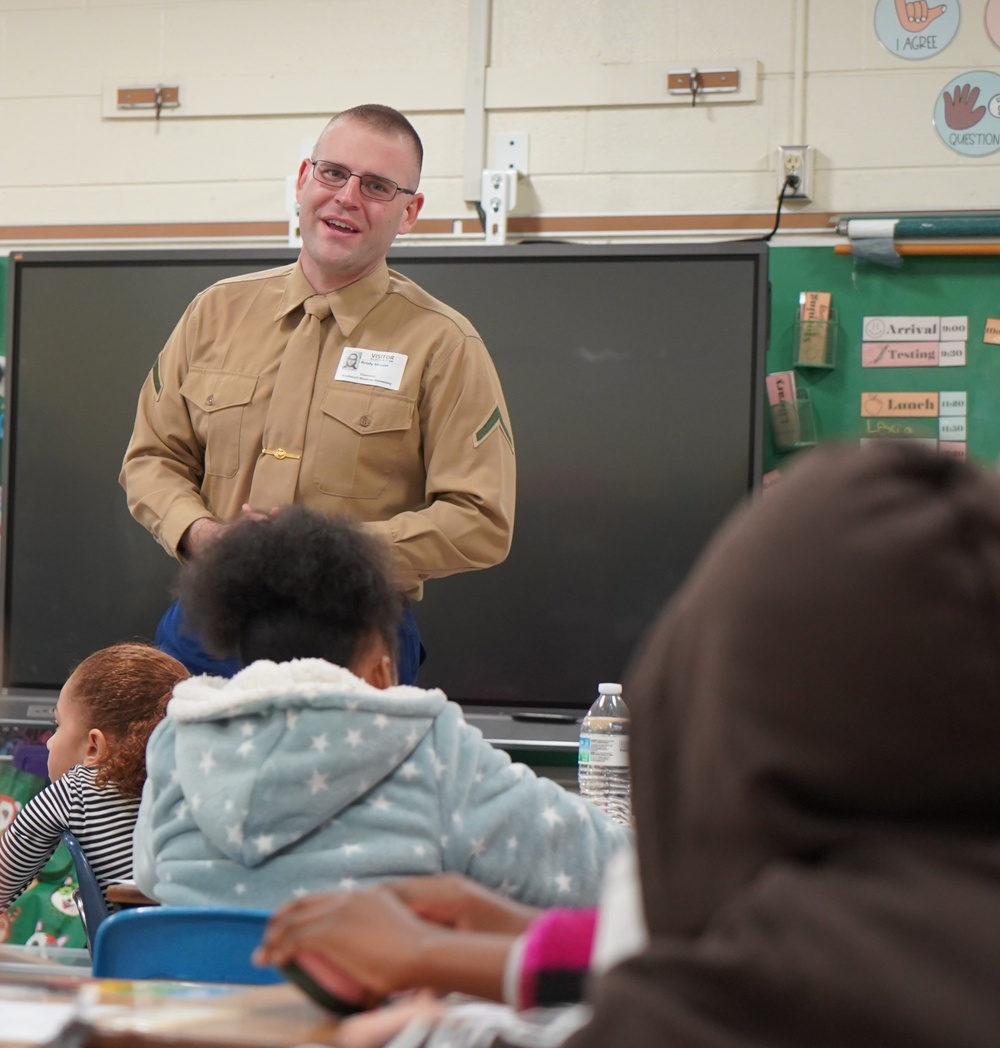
386,120
297,585
124,690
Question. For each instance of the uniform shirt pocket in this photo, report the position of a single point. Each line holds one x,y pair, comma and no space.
364,431
216,402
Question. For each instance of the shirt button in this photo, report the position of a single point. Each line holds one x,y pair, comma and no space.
210,399
366,421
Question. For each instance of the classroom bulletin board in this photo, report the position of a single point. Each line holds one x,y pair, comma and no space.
919,291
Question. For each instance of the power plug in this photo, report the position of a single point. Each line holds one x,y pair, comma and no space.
795,167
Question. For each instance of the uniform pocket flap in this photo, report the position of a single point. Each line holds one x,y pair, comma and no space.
214,390
368,411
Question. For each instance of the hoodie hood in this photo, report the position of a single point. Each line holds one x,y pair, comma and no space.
816,724
286,733
828,676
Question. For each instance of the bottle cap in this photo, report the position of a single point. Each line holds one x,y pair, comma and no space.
609,689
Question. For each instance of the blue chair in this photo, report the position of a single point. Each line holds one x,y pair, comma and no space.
185,943
89,899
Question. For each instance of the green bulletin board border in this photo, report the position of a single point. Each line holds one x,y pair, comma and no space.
940,285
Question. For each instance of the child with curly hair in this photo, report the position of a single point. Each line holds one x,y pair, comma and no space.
97,763
313,768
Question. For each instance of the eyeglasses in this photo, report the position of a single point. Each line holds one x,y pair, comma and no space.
375,187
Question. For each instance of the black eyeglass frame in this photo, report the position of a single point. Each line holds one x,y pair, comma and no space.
362,179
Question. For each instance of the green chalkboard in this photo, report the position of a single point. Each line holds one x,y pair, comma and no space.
938,286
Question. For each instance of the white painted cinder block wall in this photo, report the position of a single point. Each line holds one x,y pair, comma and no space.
585,80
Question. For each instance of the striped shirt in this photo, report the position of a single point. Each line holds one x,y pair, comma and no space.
101,819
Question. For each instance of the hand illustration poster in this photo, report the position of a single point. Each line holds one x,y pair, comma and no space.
967,113
916,30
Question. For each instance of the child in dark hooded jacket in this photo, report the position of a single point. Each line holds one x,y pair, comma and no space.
816,781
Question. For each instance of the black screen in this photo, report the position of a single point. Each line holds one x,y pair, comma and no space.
633,380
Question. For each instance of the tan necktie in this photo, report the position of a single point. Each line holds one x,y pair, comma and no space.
276,474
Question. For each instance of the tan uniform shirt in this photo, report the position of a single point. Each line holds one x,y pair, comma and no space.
430,466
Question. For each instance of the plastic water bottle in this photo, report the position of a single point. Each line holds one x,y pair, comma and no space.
604,775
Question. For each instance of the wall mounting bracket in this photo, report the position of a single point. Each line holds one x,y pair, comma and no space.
498,194
695,82
158,97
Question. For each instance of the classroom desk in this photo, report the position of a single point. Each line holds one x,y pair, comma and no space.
151,1014
125,893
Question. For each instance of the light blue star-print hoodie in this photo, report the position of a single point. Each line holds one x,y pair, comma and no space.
299,777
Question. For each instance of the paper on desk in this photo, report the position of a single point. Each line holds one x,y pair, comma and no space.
155,1019
31,1022
35,1022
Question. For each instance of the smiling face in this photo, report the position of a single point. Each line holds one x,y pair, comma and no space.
345,236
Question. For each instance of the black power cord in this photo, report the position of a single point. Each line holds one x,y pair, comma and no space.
791,182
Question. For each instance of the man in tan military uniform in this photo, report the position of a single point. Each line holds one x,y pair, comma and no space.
333,382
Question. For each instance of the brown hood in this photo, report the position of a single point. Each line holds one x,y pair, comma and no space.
816,770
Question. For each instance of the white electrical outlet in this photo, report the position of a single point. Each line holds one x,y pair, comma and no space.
796,162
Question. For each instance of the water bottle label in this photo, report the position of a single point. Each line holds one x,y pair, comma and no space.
608,751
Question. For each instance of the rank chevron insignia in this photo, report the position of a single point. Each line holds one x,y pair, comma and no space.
495,421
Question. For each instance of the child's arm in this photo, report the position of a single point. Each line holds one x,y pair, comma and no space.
374,939
516,832
457,901
29,841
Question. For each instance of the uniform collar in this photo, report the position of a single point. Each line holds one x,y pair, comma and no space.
349,305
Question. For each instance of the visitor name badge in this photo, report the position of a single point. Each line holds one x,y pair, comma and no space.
371,367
